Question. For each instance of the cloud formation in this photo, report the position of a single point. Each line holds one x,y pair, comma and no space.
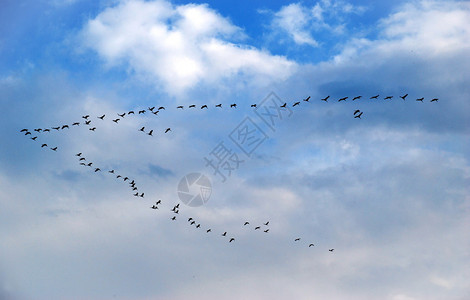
179,46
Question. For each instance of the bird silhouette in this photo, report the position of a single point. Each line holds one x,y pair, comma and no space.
297,239
295,104
82,158
151,108
224,234
311,245
150,132
189,220
231,240
156,112
142,111
434,100
43,145
267,223
388,97
102,117
326,98
122,115
356,98
154,207
404,96
23,130
87,122
116,120
65,126
181,106
142,129
343,99
27,132
218,105
158,202
161,107
375,97
358,115
92,129
46,130
78,154
89,164
76,124
97,169
111,171
192,106
266,230
34,138
234,105
37,130
204,106
253,105
331,250
420,99
284,105
356,111
168,129
306,99
192,222
246,223
198,225
257,227
54,149
174,218
131,112
86,117
208,230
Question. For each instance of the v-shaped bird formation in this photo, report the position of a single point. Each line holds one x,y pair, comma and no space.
93,124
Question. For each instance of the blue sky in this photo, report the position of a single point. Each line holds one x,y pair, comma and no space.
389,192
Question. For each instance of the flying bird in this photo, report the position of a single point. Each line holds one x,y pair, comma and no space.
326,98
87,122
388,97
154,207
266,230
54,149
76,124
306,99
204,106
142,111
27,133
174,218
102,117
356,111
267,223
218,105
404,96
168,129
253,105
295,104
208,230
331,250
181,106
161,107
284,105
150,132
234,105
131,112
224,234
97,169
122,115
92,129
343,99
142,129
297,239
311,245
192,106
151,108
231,240
375,97
246,223
23,130
34,138
43,145
65,126
420,99
358,115
116,120
111,171
357,97
78,154
86,117
37,130
434,100
257,227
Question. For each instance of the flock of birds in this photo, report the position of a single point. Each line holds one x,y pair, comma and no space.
87,121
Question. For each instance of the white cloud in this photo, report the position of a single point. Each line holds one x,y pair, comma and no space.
179,46
299,22
425,28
